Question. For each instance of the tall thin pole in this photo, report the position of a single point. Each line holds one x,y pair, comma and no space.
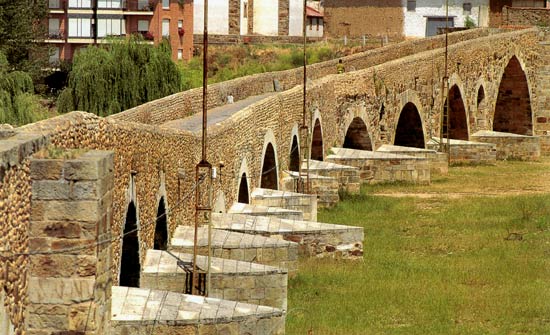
203,173
305,128
447,80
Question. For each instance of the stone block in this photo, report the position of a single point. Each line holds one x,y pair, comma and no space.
82,210
57,229
50,189
49,169
85,190
60,290
52,265
82,169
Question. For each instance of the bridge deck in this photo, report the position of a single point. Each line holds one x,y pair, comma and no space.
215,115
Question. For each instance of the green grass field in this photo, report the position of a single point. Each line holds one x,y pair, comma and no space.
469,254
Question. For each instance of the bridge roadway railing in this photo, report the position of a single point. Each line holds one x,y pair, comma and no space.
184,104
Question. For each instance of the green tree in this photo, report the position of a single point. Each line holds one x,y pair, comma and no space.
119,76
22,25
18,104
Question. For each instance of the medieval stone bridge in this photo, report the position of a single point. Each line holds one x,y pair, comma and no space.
388,106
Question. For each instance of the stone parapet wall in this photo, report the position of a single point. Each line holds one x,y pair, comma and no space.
187,103
70,271
325,188
544,145
468,153
525,16
340,244
513,147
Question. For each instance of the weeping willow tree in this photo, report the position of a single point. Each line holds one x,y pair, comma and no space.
18,104
124,74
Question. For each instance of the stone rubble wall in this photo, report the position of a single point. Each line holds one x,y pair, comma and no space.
520,147
523,16
70,290
259,288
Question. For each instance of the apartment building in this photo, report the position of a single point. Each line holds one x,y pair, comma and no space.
73,24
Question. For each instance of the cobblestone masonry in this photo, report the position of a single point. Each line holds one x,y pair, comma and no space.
155,156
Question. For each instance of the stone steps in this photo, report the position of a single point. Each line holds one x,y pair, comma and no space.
229,279
238,246
511,146
306,203
315,239
376,167
326,188
283,213
467,152
438,161
139,311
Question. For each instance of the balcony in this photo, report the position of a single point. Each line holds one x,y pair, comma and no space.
56,36
139,7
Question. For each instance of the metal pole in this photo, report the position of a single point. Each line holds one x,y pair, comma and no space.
447,79
203,173
305,128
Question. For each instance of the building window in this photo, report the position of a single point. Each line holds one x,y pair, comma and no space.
53,28
80,27
245,10
180,24
54,4
109,4
111,27
467,8
166,27
80,4
411,5
165,4
54,56
143,26
180,54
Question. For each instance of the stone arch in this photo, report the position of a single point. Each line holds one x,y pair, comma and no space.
130,266
480,98
317,149
409,130
269,176
357,136
294,159
161,227
513,113
244,193
6,327
458,121
243,186
219,203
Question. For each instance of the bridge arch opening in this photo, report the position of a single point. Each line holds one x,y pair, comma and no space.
161,227
409,131
317,142
243,190
513,107
357,136
269,169
130,267
480,96
457,116
294,164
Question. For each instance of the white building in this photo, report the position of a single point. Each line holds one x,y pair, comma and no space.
423,17
265,17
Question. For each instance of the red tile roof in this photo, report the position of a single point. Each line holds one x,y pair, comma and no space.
312,12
